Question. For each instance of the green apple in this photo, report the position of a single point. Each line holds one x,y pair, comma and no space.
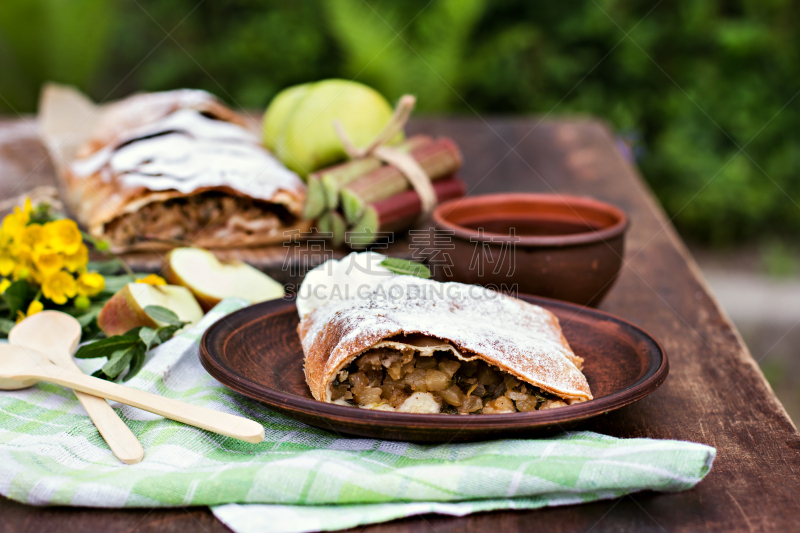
211,280
280,109
298,124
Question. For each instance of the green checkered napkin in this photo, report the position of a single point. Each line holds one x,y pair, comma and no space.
301,478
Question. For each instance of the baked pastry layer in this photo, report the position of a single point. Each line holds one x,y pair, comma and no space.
410,320
180,166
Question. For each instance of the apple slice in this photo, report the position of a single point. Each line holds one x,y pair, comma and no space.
211,280
125,310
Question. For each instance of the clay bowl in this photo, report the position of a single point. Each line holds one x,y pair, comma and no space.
559,246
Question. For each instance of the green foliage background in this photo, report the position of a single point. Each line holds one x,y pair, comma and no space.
705,88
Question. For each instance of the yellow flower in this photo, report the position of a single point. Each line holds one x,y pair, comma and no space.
64,236
21,271
59,287
152,279
4,285
15,222
77,260
35,307
32,237
7,263
48,262
90,283
25,268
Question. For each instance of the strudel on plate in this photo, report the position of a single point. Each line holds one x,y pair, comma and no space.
421,346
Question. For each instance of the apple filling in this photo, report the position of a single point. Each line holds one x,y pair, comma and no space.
394,376
209,215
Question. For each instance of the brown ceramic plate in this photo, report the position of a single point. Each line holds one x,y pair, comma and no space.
256,352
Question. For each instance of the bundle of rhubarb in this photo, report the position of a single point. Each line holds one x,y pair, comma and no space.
366,197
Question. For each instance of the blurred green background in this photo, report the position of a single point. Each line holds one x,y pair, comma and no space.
688,82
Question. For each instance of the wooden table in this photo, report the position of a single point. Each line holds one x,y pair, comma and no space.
715,393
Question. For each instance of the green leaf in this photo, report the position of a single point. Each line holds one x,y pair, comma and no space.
106,347
119,361
137,361
163,315
6,325
86,319
133,332
166,333
149,337
17,295
406,267
109,267
115,283
42,215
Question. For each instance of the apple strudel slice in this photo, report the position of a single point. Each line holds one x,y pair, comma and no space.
421,346
161,169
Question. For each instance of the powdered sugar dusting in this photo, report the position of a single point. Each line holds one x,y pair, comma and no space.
518,337
185,151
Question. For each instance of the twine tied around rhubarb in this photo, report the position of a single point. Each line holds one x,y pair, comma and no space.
404,162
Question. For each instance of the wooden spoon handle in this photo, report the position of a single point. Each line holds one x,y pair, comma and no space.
119,437
222,423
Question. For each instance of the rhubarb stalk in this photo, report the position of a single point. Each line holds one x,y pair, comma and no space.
438,159
334,178
315,199
333,223
363,233
401,211
398,212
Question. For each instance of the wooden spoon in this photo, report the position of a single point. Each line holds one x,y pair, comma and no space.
23,367
56,335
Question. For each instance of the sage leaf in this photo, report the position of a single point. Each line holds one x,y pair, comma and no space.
133,332
164,315
106,347
149,337
406,267
129,350
107,267
166,333
137,362
114,284
118,361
